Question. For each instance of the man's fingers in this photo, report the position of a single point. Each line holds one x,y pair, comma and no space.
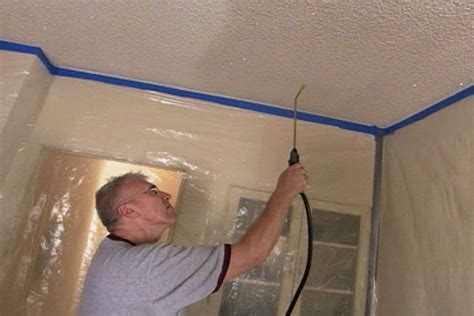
295,166
301,172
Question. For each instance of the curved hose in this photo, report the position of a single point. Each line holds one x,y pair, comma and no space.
309,257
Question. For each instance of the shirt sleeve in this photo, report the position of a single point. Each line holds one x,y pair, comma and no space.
225,266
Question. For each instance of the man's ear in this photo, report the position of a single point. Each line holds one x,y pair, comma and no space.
127,210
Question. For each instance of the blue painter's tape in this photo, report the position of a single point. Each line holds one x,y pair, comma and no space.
21,48
246,105
432,109
256,107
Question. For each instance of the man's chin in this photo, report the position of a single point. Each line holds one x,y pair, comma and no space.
171,218
171,213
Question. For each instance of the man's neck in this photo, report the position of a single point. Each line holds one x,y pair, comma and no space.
136,236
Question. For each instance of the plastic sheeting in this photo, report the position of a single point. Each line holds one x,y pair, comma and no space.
426,253
230,160
24,84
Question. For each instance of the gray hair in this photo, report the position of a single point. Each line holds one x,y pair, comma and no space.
106,197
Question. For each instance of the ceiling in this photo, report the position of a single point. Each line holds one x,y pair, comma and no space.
369,62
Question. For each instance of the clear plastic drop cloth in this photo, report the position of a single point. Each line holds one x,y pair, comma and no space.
221,165
426,255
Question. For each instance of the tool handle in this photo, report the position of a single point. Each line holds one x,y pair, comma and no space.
294,157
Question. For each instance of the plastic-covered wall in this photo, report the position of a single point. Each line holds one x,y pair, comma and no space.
426,255
222,151
24,84
16,67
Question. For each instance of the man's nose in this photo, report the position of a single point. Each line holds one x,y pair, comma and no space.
165,195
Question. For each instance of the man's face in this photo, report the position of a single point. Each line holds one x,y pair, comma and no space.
151,204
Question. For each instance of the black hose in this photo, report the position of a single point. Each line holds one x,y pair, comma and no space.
309,257
294,158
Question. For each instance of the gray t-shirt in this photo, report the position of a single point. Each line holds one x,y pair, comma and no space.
151,279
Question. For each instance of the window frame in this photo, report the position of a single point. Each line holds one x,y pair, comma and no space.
297,244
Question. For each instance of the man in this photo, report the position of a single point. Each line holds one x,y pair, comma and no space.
131,274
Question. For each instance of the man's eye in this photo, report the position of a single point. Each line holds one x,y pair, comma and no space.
154,192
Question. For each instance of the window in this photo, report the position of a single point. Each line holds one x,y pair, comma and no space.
336,285
257,291
330,286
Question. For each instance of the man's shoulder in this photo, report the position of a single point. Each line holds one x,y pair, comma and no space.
157,252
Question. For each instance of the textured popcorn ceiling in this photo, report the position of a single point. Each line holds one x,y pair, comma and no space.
373,62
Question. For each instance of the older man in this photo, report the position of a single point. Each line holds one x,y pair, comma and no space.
132,274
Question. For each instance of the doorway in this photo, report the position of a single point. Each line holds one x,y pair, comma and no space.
61,230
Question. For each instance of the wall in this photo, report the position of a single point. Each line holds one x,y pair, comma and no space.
24,84
427,233
14,71
216,147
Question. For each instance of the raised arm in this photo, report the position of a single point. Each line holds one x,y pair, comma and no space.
257,243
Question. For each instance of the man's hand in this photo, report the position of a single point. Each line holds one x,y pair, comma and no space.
292,181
